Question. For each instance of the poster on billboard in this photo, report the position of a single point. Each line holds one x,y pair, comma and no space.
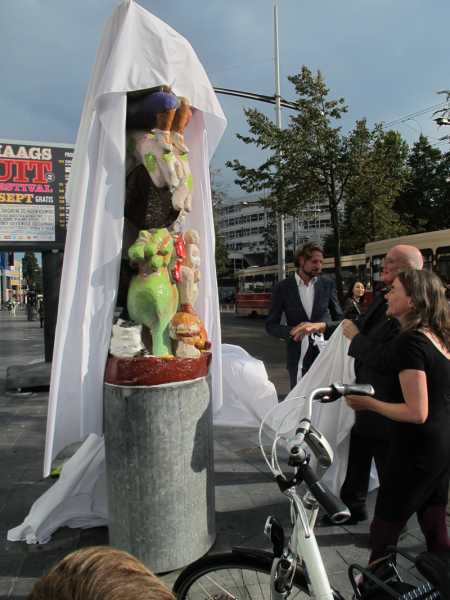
33,206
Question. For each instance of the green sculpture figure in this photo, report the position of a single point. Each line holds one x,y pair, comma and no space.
152,297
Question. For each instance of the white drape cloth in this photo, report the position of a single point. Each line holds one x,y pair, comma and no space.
76,499
137,51
247,392
333,420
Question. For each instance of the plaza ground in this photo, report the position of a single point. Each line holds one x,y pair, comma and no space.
245,492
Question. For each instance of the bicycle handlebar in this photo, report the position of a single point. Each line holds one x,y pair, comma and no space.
336,390
333,506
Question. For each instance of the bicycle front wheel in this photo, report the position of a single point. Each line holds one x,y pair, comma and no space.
232,577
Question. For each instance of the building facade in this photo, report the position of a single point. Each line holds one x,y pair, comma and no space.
11,280
250,235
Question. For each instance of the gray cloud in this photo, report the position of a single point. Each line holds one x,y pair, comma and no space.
386,57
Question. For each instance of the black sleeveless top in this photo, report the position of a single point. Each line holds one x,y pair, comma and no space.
418,466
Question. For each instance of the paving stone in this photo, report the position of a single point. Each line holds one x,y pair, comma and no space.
21,587
27,376
94,536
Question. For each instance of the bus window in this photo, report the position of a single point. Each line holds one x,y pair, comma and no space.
427,254
377,267
443,262
269,281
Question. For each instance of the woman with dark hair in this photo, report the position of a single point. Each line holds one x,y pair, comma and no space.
353,300
416,479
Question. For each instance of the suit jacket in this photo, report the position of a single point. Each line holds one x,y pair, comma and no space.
373,364
286,299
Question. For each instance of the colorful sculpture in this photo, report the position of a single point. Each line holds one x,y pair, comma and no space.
190,270
156,139
162,294
152,297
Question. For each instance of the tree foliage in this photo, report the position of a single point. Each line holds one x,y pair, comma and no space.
31,271
221,253
308,161
424,201
374,185
379,174
313,160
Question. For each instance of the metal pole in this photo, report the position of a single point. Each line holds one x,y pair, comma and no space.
51,279
280,223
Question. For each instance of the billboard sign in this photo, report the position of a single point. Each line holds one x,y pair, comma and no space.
33,207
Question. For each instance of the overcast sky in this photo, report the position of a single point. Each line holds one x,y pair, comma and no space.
388,58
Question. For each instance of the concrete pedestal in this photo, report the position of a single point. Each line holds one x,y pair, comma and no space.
159,465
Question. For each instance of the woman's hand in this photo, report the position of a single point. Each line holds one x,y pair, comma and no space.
359,402
349,329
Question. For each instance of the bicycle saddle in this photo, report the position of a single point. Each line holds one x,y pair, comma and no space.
435,566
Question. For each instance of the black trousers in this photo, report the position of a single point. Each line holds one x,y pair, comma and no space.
310,355
356,485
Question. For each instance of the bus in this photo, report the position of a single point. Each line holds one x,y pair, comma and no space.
255,284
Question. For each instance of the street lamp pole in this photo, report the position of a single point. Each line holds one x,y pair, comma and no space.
280,222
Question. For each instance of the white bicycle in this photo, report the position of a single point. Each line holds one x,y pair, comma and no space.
295,568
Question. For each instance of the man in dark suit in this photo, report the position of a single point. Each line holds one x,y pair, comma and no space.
370,336
309,304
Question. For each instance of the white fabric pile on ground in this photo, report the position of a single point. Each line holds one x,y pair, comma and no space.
247,392
77,499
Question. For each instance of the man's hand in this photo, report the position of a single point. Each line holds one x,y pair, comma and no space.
359,402
298,332
349,329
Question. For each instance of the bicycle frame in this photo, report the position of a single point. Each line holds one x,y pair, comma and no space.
305,546
302,546
302,543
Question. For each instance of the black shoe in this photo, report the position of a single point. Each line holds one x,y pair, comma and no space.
357,515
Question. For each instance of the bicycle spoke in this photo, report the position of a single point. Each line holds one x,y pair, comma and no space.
220,587
260,587
234,582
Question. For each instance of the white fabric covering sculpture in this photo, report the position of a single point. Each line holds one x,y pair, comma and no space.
132,56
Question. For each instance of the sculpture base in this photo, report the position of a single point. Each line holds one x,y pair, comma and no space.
160,472
155,370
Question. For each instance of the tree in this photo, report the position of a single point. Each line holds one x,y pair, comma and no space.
270,240
424,200
31,271
379,174
311,160
441,213
221,253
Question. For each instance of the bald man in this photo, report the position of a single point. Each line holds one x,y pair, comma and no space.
369,336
